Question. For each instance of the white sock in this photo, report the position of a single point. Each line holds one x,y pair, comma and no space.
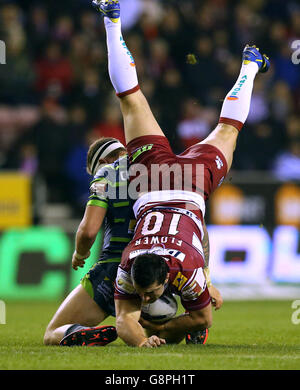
236,105
121,65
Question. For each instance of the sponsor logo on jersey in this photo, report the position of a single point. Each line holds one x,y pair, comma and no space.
179,281
141,150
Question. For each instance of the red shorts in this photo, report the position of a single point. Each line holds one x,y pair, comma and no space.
152,150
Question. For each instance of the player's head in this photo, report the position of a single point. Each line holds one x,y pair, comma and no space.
150,273
105,150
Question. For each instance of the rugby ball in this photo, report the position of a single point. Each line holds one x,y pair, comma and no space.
162,310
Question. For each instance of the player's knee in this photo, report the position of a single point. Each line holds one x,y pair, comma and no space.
133,101
226,130
49,338
208,323
204,323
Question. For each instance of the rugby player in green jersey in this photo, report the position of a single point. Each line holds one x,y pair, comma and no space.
77,320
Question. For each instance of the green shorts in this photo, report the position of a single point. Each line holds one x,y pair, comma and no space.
99,284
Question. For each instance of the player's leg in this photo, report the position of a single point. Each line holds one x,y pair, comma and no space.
78,308
236,105
224,137
137,115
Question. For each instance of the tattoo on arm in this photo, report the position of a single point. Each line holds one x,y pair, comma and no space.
205,244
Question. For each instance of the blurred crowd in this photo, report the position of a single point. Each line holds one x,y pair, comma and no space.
56,97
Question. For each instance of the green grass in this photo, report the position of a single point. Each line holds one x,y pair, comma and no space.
245,336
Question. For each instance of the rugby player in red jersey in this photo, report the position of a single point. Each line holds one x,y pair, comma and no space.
167,249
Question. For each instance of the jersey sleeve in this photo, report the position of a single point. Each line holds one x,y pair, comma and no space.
102,187
192,289
124,288
98,195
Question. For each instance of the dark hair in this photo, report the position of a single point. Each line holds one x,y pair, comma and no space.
148,269
95,146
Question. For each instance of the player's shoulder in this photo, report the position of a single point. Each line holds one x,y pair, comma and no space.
123,281
105,172
116,171
122,162
112,173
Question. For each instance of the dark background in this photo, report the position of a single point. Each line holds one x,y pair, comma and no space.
56,97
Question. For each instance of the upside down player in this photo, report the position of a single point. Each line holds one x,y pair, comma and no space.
76,322
166,251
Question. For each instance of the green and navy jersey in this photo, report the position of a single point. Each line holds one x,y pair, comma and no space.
109,189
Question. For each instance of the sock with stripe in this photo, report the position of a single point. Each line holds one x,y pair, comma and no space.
121,65
236,105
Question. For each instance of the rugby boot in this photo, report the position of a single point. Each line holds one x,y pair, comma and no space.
108,8
252,54
198,337
98,336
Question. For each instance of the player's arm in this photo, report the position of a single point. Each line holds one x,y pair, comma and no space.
205,244
128,327
86,234
92,220
175,329
127,316
195,320
217,300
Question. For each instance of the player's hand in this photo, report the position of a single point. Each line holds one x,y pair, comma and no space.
216,298
153,342
79,260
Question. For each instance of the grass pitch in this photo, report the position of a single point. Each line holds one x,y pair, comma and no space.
245,336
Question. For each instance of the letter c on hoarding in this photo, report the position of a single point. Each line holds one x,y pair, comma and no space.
53,242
